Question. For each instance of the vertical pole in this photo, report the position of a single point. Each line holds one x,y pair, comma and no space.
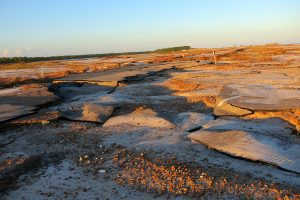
215,57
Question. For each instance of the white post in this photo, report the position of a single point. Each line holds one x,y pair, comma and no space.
215,57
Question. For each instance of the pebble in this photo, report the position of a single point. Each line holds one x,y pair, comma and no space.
86,189
102,171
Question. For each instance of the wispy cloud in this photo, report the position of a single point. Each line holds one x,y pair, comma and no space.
16,53
5,53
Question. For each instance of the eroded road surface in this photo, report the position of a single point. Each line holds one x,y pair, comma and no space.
173,126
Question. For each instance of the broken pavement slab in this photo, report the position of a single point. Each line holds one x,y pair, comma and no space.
70,90
140,117
8,111
251,146
225,109
189,121
40,117
267,140
89,112
174,102
129,73
24,100
257,97
27,95
270,126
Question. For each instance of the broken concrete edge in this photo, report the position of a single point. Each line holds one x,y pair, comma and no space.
236,111
66,116
260,96
33,111
20,121
63,116
246,110
25,82
218,113
242,158
263,110
32,119
55,86
141,77
101,83
186,121
138,76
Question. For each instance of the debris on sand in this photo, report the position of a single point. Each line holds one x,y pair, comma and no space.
11,169
181,178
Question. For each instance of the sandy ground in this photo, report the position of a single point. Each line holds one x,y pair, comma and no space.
171,126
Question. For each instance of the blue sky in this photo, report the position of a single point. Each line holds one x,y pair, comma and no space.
60,27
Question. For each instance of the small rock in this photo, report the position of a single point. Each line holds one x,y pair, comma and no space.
86,189
102,171
45,122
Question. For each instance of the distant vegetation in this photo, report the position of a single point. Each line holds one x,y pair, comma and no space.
7,60
170,49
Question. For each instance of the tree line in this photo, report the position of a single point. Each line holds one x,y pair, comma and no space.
9,60
170,49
